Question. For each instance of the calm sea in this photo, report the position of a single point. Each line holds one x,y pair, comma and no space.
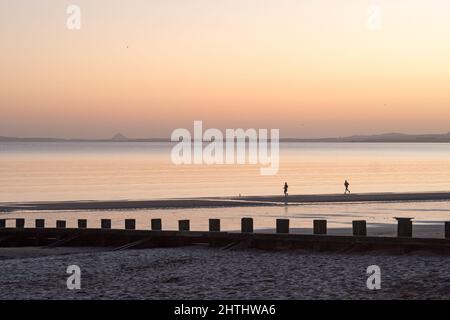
137,170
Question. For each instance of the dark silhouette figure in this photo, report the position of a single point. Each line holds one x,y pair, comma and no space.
285,188
346,184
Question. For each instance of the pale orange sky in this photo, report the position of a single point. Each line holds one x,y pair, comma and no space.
309,68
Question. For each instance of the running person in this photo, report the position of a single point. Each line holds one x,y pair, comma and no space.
346,184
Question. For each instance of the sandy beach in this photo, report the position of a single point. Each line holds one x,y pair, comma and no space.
225,201
200,272
205,273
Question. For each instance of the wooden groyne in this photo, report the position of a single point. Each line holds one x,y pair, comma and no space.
130,238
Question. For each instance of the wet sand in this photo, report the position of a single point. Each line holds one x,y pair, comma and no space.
206,273
429,217
224,201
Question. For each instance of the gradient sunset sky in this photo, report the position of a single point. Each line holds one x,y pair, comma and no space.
311,68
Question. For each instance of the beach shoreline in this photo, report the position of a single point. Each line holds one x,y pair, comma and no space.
211,202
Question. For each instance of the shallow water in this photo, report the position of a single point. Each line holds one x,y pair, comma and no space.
129,170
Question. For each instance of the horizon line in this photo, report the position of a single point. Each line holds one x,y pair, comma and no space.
122,138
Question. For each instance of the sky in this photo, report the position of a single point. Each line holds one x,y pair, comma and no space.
311,68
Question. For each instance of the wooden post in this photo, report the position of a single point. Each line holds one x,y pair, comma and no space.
320,226
404,227
183,225
2,223
359,228
247,225
82,223
214,225
156,224
20,223
282,225
130,224
447,229
106,223
60,224
40,223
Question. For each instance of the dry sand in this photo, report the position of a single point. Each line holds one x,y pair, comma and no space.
207,273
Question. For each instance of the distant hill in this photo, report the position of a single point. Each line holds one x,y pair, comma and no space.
119,137
386,137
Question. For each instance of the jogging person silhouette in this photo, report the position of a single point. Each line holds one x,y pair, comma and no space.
346,184
285,188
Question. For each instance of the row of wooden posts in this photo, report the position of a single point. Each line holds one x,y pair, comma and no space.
404,228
